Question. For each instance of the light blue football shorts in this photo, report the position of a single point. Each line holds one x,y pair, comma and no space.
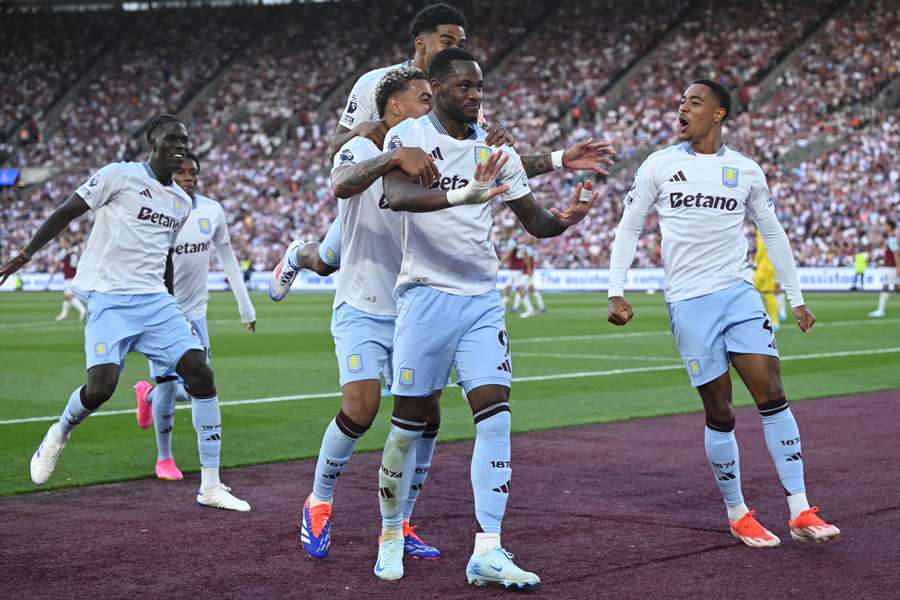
708,327
436,331
330,248
202,331
363,344
152,324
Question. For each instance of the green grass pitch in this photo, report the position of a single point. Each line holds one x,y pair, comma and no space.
570,366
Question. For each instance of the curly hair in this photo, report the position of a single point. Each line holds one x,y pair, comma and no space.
393,82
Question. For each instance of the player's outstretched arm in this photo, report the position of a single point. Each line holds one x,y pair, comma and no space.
586,155
403,193
71,209
543,223
351,180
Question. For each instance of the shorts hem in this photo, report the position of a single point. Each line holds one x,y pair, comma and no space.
472,384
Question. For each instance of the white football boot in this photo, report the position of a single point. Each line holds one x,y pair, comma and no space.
43,461
219,496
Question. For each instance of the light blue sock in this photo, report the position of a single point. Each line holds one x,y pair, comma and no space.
164,417
330,248
490,470
724,458
208,424
74,413
398,461
338,445
424,452
783,440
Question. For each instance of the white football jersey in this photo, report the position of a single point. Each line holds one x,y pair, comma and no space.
206,227
702,201
451,250
137,221
370,241
361,106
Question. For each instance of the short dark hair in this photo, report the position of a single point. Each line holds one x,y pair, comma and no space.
891,223
191,156
442,63
432,16
156,121
719,90
393,82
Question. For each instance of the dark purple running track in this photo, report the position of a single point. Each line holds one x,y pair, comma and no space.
620,510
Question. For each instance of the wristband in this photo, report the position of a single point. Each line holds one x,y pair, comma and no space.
556,157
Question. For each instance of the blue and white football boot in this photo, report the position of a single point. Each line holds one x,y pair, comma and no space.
496,567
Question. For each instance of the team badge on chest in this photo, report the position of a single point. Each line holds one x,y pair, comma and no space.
205,226
482,154
730,177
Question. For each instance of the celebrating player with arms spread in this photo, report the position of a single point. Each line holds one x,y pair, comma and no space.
206,227
702,191
448,311
434,28
124,273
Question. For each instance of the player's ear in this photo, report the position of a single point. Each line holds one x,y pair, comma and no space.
420,45
719,115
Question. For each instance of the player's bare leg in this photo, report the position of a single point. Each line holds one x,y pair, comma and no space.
761,375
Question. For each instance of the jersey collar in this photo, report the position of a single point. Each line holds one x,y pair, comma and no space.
151,174
686,146
471,133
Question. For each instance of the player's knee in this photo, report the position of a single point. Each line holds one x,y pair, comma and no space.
197,375
718,412
97,391
411,408
487,396
361,403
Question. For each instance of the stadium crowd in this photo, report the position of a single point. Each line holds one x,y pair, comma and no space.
263,122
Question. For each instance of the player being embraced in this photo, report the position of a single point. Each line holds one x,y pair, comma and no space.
68,261
448,311
206,227
702,191
434,28
124,275
364,308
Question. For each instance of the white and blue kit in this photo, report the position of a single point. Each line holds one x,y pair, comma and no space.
448,310
364,308
702,201
205,229
121,271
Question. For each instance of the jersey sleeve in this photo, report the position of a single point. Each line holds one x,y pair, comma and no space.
407,134
102,187
221,236
893,244
360,104
354,152
760,201
513,174
640,198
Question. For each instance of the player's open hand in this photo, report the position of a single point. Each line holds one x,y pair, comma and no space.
589,155
805,318
251,326
17,262
620,311
416,163
481,189
374,130
583,198
498,136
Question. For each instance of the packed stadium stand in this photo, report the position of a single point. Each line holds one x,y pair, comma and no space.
815,86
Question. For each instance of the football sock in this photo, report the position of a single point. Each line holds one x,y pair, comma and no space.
164,417
485,542
490,470
797,503
424,452
771,307
330,248
181,394
722,452
338,445
883,300
75,412
517,299
527,302
395,473
783,441
782,307
78,306
539,299
65,310
208,424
